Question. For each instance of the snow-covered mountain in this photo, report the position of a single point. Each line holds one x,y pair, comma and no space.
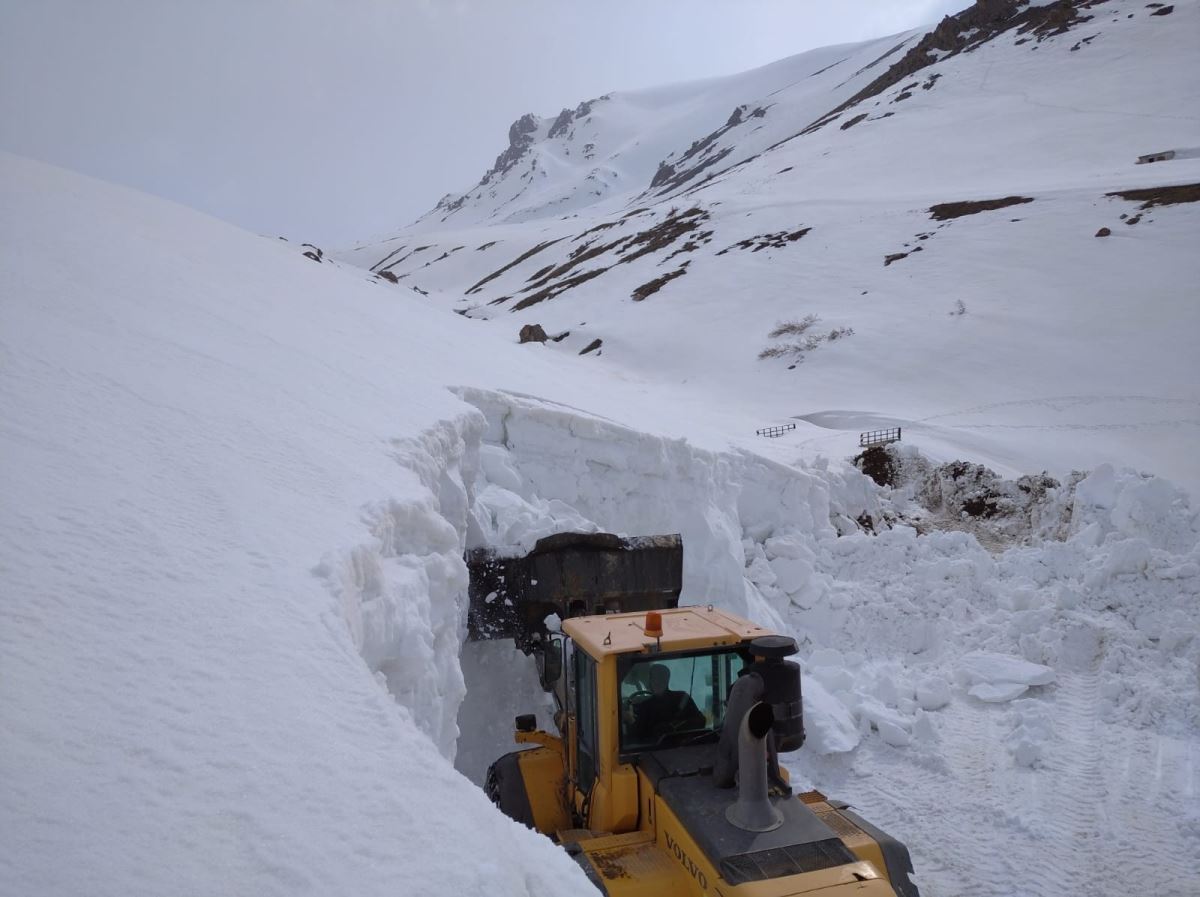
842,184
641,147
238,479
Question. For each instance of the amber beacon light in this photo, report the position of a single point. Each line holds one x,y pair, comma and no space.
653,627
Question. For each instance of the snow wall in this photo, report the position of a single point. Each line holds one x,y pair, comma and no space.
546,468
892,626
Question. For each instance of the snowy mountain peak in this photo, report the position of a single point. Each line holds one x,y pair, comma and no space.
524,160
654,144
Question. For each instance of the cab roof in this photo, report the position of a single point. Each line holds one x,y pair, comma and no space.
684,628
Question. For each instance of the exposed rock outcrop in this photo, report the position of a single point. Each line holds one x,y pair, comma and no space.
533,333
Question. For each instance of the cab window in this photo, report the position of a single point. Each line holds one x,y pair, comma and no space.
584,669
667,700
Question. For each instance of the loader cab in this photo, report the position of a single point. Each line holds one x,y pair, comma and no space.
609,690
644,703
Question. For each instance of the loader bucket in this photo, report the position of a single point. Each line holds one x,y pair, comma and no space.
570,574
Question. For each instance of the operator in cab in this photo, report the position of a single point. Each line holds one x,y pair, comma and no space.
663,710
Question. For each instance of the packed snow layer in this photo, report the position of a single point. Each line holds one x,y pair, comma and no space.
234,499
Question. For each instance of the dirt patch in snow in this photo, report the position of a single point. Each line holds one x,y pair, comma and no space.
522,257
701,154
877,463
948,210
1160,196
551,282
777,240
651,287
562,286
966,497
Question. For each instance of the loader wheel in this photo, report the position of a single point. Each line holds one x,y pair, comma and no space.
505,787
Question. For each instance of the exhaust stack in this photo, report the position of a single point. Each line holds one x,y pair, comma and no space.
753,811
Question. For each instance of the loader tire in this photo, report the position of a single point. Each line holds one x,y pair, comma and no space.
505,787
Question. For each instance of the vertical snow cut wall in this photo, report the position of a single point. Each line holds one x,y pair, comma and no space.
547,468
403,592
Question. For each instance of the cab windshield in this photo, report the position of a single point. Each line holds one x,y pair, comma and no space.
673,699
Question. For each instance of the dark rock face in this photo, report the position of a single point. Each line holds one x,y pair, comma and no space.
560,125
1103,232
533,333
593,346
963,32
702,154
665,173
520,138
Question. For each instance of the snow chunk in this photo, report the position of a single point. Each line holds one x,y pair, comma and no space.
933,693
992,669
791,574
998,693
829,727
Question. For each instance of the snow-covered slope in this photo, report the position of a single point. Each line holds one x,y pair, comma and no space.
229,479
1078,346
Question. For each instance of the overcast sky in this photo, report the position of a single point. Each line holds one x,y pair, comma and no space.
331,120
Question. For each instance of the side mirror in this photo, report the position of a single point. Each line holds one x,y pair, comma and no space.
549,663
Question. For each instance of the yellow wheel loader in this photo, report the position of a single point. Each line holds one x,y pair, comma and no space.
663,777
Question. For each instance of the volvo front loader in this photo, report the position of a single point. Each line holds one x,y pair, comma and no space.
662,779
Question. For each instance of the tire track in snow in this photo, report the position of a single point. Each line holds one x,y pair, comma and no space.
1115,823
1082,823
1077,826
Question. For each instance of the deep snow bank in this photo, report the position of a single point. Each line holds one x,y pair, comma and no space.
193,420
887,621
548,468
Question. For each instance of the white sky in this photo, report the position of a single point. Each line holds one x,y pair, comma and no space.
330,120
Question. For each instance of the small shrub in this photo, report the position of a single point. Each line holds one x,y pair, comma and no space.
806,343
776,351
793,328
